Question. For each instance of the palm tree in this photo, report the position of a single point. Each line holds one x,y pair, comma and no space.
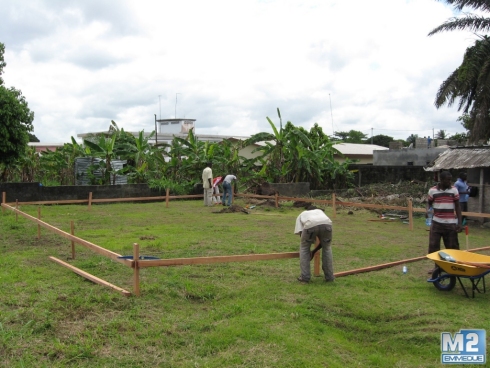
412,138
441,134
470,82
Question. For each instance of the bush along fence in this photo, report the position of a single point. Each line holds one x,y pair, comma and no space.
137,261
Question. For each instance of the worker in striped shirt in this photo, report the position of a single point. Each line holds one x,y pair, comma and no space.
446,222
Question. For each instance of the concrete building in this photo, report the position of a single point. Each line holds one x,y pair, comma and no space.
363,153
407,157
39,146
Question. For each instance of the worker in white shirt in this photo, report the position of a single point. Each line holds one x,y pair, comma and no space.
207,184
311,224
227,189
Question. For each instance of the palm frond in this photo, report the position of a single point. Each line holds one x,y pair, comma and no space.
469,22
474,4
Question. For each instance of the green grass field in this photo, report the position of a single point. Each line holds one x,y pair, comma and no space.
249,314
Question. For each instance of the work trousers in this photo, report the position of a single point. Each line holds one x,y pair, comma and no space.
448,234
208,195
226,193
216,198
308,237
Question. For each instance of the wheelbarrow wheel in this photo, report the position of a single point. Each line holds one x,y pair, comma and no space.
445,282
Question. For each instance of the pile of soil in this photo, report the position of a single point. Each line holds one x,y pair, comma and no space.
232,209
261,202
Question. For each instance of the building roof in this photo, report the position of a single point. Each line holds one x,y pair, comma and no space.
358,149
167,136
461,158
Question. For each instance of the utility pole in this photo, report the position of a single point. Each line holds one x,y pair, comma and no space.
160,102
156,134
331,114
371,135
176,104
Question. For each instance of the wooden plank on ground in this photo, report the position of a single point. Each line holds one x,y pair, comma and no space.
216,259
105,252
90,277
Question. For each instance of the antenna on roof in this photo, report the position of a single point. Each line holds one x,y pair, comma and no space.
331,114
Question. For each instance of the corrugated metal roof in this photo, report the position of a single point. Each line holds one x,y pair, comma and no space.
461,158
358,149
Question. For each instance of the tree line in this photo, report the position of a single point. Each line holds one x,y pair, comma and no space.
289,154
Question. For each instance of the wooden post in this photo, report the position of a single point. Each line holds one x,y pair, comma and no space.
16,207
316,266
166,197
4,197
333,206
39,226
316,260
480,195
410,214
136,274
89,201
277,200
72,232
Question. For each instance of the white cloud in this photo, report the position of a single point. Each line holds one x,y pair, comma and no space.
81,64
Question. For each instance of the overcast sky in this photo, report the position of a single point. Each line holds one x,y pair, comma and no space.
363,65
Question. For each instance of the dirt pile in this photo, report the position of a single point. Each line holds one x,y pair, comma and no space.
232,209
261,202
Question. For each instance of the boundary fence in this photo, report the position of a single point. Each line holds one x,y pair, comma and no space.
136,262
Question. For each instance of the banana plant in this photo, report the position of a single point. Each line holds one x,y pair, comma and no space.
104,148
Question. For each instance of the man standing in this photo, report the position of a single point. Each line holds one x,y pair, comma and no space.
207,184
444,199
464,191
311,224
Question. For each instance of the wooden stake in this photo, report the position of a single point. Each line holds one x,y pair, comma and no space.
39,226
410,214
136,273
90,201
334,206
277,200
166,197
316,260
4,200
17,208
72,231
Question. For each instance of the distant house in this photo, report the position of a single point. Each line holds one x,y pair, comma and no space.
39,146
363,153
